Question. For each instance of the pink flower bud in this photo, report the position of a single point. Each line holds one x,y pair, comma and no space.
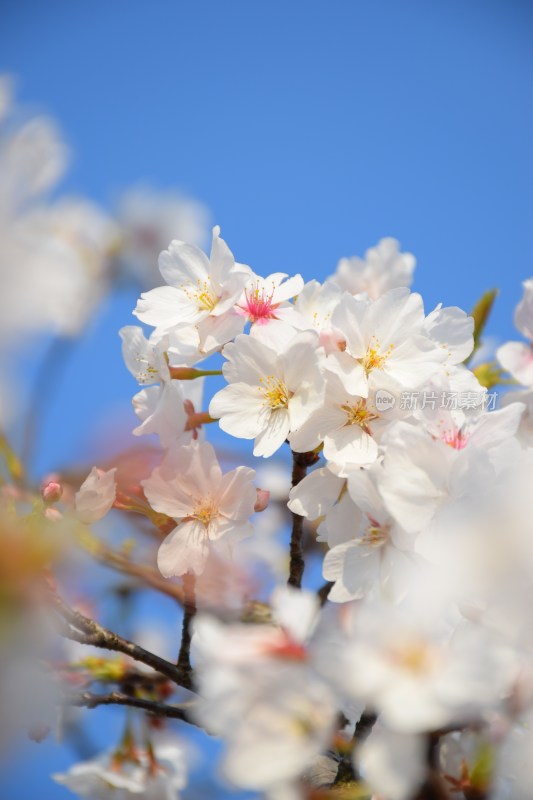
51,492
263,496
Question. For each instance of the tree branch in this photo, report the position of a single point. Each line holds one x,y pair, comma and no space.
89,700
189,611
300,464
88,631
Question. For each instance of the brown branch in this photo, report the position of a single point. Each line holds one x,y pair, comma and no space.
189,611
88,631
300,464
347,772
432,788
324,591
89,700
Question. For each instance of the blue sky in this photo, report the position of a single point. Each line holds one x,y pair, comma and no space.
310,128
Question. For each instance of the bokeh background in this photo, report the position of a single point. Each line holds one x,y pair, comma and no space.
310,129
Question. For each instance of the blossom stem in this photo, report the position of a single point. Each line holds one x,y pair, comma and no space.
300,464
197,419
189,611
190,373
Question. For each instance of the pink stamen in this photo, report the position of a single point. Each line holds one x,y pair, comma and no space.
258,305
457,439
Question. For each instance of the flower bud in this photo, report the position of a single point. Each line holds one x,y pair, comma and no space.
263,496
51,492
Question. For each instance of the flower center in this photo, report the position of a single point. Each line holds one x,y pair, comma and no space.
202,294
416,656
275,392
457,439
258,304
358,414
376,535
373,358
205,511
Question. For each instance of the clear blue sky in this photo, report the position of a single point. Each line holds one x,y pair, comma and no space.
310,127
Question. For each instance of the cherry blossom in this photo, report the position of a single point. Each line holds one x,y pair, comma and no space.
271,391
201,292
384,267
211,509
96,495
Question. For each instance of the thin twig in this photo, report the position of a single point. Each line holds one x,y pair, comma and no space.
324,591
89,700
189,611
432,788
300,463
347,771
88,631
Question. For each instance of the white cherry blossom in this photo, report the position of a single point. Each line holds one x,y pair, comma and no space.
271,391
211,509
385,337
157,774
96,495
201,292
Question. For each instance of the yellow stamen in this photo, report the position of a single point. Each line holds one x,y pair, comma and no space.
374,359
358,414
205,511
275,392
202,294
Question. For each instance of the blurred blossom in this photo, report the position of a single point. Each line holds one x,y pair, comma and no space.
155,773
54,257
149,220
30,544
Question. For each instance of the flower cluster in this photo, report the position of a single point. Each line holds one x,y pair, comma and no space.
404,668
420,510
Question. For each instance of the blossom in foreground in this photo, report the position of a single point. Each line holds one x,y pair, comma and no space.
211,509
416,666
157,773
272,389
261,694
96,495
393,764
201,292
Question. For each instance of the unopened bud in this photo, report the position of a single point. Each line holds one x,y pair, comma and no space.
51,492
263,496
